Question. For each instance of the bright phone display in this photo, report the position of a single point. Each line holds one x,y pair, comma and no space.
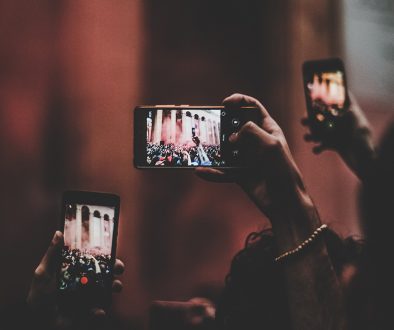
187,136
325,92
89,222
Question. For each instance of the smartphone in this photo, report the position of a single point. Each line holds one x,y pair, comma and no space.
89,224
169,136
326,95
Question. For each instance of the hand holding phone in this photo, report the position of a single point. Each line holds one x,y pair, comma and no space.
89,224
335,119
43,294
269,174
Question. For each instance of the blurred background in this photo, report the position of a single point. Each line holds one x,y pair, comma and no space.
71,73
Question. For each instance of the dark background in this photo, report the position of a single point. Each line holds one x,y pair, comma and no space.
71,73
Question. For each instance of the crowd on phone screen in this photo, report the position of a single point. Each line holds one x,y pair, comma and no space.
83,269
185,155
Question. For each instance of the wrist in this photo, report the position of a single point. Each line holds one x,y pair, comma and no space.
304,245
277,194
294,221
360,156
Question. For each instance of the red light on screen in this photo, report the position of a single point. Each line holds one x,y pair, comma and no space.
84,280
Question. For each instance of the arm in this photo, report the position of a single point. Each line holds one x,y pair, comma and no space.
353,141
272,180
314,293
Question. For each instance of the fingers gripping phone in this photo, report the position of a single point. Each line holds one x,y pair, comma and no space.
90,225
326,95
188,136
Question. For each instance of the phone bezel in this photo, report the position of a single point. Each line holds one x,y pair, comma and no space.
139,152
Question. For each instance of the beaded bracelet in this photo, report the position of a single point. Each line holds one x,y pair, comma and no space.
305,243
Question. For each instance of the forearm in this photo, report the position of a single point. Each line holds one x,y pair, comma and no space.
361,157
315,296
294,218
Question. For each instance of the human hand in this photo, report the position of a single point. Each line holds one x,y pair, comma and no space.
42,293
42,296
196,313
269,174
352,140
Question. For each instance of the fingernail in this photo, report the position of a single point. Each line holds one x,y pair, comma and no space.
233,137
57,237
98,312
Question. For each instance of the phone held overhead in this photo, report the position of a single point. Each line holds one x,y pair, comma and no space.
326,95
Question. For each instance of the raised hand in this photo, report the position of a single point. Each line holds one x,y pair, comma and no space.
352,140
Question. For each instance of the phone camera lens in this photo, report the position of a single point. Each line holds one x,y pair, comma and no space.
330,124
235,122
223,113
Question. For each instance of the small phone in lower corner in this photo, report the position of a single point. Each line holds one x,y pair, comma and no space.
89,224
326,95
169,136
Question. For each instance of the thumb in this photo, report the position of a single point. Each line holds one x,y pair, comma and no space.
51,258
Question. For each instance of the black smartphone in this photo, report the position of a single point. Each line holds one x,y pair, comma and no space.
168,136
326,95
90,225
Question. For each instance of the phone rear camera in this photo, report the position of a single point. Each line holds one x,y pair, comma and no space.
235,122
330,124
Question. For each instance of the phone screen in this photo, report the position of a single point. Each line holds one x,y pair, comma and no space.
88,254
189,136
183,137
327,93
325,90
